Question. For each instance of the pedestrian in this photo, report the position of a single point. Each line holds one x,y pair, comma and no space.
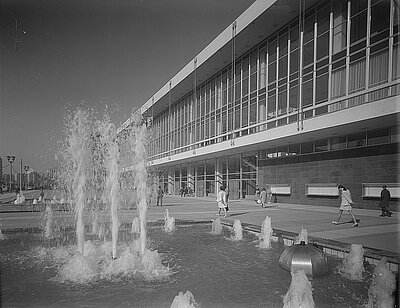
160,194
41,196
345,205
263,197
227,194
185,191
269,194
221,201
384,202
257,196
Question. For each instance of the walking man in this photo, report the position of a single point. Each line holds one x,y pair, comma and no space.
160,194
384,202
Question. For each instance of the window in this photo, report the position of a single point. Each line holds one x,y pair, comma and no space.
339,26
358,24
261,110
379,64
245,114
271,61
293,98
338,83
283,67
357,72
308,53
233,164
253,111
321,145
396,62
378,136
307,147
294,36
271,153
262,76
356,140
282,103
380,16
322,88
271,106
338,143
282,151
294,61
322,46
307,93
394,134
294,149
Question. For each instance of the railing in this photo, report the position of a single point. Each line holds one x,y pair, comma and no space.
338,104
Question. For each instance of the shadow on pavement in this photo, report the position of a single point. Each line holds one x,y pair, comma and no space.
236,214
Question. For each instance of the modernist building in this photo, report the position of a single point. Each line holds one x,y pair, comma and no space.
296,95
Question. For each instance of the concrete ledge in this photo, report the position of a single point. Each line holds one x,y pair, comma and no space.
329,247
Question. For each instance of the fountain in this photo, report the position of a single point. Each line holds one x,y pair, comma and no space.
137,143
302,256
54,200
48,217
79,149
135,225
300,292
266,233
184,300
20,198
302,237
237,230
169,222
353,263
95,223
108,139
120,264
383,285
216,227
91,168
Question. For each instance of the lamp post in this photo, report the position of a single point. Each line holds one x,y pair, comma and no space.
20,178
11,159
26,178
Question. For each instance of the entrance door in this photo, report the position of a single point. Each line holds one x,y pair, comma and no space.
234,189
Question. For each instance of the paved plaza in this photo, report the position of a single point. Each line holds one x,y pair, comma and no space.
380,233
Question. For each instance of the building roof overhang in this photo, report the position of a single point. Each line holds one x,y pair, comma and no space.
258,22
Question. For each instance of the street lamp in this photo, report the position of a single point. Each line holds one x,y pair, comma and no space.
27,179
11,159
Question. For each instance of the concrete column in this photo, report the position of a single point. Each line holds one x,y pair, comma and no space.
218,175
171,180
190,176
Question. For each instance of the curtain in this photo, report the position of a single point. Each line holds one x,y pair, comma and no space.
378,68
357,81
378,73
396,62
339,82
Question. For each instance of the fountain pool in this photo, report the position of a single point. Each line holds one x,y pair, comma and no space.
219,272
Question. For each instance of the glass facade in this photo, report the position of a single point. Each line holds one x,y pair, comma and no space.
306,69
239,171
337,55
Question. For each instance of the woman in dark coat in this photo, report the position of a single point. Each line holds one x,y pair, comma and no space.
384,202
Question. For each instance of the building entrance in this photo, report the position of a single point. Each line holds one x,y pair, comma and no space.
234,189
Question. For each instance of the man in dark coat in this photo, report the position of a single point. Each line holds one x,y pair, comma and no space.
384,202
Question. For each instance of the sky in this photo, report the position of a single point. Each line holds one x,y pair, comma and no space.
107,54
